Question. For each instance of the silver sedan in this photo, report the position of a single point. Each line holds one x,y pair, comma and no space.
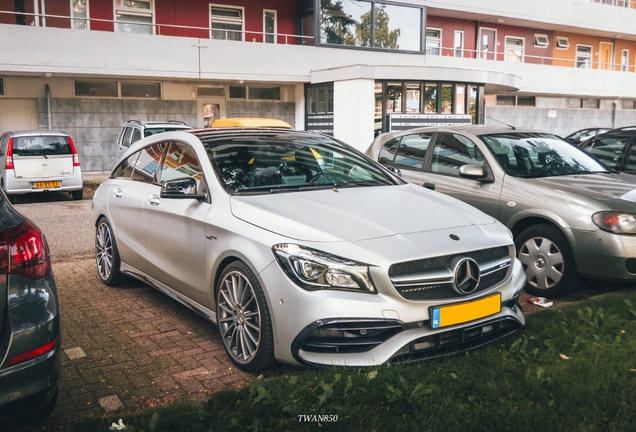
303,250
569,213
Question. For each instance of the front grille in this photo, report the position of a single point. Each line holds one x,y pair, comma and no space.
445,289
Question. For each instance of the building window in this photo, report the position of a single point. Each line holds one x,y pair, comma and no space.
541,41
141,90
514,50
628,104
264,93
625,60
506,100
430,97
527,101
583,56
269,26
1,86
353,23
562,42
79,12
134,16
238,92
96,88
433,41
459,43
591,103
413,97
226,22
206,91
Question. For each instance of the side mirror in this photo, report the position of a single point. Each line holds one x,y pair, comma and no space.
471,171
183,188
395,171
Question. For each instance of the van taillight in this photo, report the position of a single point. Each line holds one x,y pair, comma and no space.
25,252
75,157
9,164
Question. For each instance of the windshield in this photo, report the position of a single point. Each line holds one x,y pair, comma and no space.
539,155
41,145
270,164
157,130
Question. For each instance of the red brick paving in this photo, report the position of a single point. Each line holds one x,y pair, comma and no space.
140,345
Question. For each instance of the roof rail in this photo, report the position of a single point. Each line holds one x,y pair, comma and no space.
621,128
139,122
178,122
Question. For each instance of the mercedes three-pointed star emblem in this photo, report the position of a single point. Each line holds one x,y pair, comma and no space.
467,276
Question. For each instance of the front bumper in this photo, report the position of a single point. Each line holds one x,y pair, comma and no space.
15,186
296,313
603,255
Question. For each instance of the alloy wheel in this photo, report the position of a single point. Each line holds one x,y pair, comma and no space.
239,317
104,251
542,262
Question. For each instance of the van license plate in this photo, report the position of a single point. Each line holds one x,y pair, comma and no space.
46,185
444,316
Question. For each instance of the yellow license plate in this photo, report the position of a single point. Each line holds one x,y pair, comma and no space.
46,185
444,316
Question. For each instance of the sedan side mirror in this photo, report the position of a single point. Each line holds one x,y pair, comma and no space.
471,171
183,188
395,171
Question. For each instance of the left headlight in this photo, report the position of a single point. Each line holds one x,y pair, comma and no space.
619,223
315,270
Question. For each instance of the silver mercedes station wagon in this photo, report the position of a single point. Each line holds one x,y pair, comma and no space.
303,250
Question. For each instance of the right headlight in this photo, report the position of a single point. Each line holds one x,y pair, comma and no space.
315,270
619,223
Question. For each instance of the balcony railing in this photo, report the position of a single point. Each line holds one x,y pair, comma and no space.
167,29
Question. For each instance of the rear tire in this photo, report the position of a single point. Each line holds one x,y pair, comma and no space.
106,254
547,260
78,195
243,319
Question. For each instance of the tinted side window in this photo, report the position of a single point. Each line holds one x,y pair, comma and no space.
146,165
126,139
412,151
387,154
181,161
125,167
452,151
136,135
609,150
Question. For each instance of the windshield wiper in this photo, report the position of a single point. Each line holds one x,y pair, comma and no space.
587,172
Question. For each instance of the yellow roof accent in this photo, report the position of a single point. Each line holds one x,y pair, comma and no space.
249,122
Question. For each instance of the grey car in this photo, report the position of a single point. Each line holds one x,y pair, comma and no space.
30,338
304,251
37,161
569,214
134,130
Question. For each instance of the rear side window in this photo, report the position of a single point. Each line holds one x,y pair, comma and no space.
608,150
412,151
387,154
125,167
146,165
125,141
41,145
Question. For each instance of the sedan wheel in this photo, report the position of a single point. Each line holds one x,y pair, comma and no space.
243,319
547,260
106,254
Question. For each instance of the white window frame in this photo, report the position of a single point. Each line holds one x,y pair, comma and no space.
562,43
136,12
228,20
625,67
523,48
461,48
537,43
480,53
439,47
275,34
576,56
88,15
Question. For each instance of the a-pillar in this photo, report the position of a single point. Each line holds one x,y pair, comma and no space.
353,112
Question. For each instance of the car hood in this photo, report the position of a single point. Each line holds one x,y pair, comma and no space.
615,190
354,214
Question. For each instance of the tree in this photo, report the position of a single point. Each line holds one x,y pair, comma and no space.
335,23
383,37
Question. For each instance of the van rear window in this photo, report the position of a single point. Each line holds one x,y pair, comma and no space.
41,145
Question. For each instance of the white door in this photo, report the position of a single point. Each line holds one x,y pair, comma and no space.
210,109
18,114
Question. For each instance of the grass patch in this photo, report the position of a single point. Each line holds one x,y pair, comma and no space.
572,369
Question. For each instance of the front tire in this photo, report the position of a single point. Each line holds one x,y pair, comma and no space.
243,318
547,260
106,254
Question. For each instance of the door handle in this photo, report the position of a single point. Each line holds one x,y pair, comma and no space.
118,193
430,186
154,200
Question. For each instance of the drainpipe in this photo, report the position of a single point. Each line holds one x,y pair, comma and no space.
48,105
614,115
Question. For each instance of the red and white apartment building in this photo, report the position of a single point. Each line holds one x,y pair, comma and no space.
350,68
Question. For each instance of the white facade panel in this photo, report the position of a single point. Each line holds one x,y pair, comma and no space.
353,111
